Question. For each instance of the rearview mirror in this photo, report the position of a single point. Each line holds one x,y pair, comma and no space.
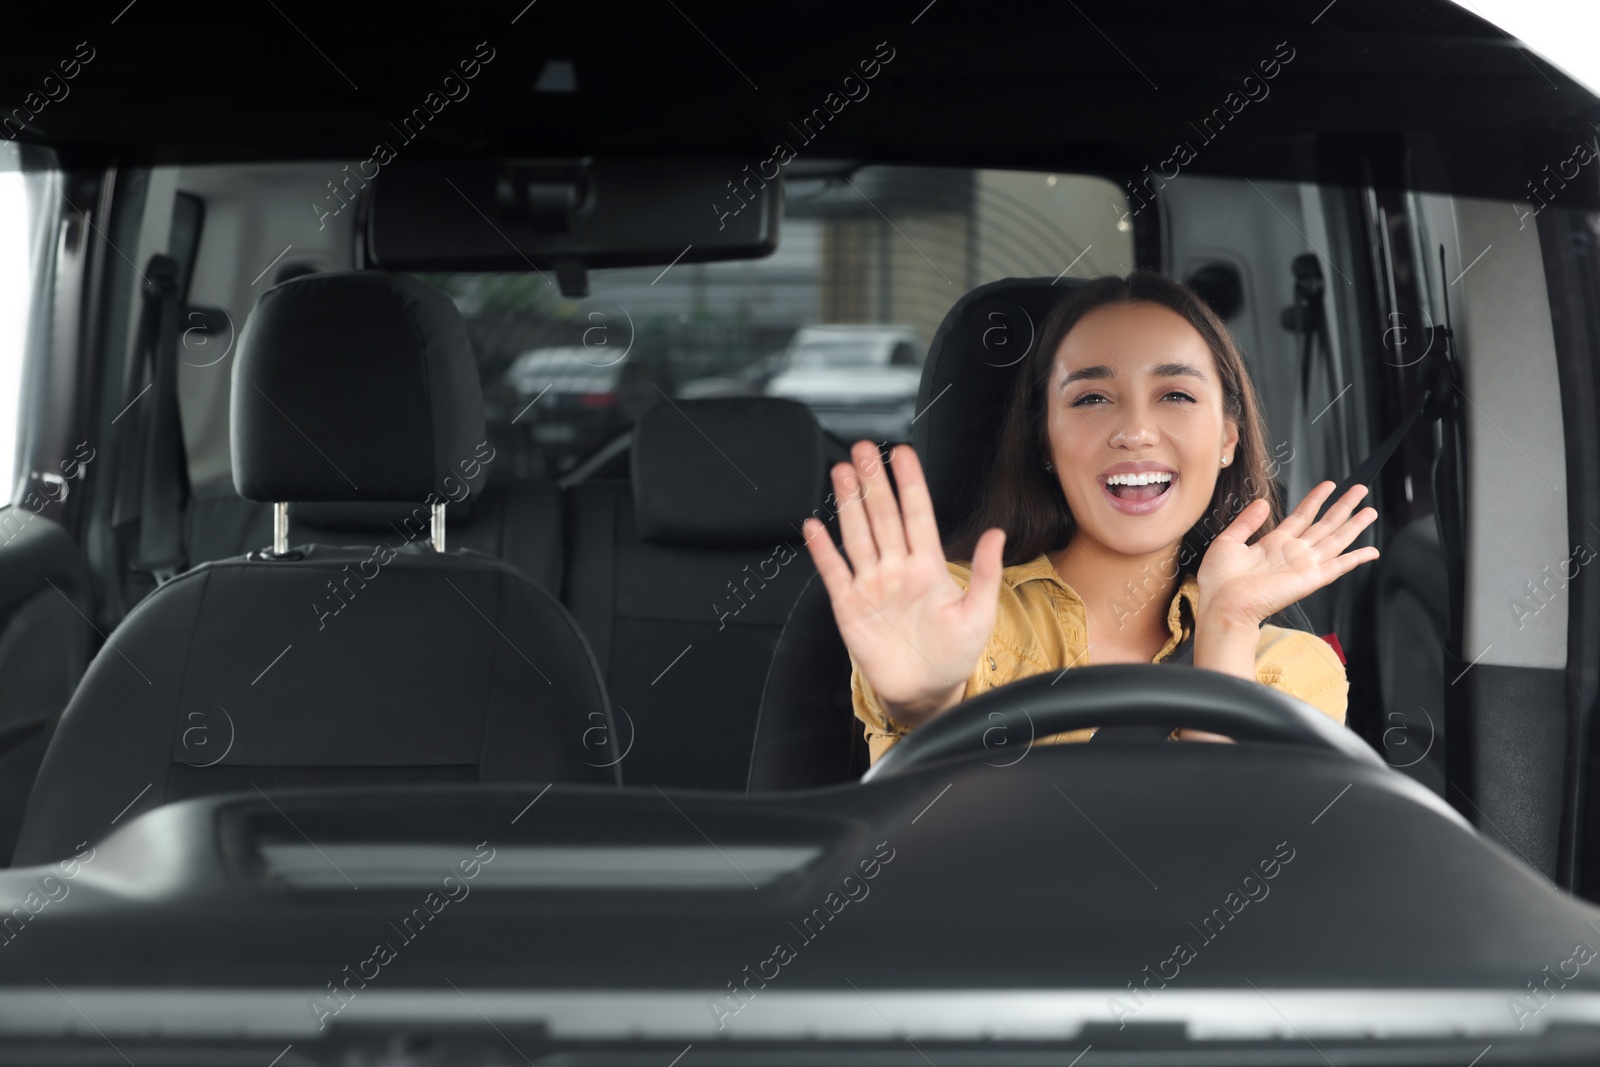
568,215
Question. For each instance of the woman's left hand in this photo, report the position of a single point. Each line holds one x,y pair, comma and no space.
1243,584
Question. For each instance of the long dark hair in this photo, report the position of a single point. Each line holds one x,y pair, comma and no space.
1025,500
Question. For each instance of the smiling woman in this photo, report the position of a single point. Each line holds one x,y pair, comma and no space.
1132,445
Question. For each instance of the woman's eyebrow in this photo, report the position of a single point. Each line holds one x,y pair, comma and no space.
1095,373
1100,372
1178,370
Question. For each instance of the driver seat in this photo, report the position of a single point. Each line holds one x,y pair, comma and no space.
807,734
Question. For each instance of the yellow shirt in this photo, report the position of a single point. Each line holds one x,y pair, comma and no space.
1042,626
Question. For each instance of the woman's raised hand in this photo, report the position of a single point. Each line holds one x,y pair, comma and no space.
1245,583
913,631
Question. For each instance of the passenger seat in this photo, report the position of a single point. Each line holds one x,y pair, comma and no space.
682,579
324,665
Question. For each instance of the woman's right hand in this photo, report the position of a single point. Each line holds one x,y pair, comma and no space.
913,631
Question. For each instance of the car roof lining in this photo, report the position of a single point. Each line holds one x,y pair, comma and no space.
981,86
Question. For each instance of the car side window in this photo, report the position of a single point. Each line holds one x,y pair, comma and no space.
19,239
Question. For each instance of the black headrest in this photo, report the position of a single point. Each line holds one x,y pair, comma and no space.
356,385
729,472
966,383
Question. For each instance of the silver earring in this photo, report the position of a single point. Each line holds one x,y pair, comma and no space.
1226,460
1047,466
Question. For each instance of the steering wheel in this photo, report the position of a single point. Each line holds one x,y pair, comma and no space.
1124,694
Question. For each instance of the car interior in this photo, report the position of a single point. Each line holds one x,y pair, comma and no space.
678,534
362,498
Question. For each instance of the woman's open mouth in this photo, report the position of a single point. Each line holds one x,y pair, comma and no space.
1137,493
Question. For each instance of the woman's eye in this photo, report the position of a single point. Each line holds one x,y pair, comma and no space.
1086,399
1179,394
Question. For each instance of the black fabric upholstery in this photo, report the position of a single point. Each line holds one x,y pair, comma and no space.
807,734
683,608
44,648
516,521
336,667
971,365
758,470
355,385
683,635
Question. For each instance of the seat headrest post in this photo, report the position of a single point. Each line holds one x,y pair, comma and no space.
280,527
438,527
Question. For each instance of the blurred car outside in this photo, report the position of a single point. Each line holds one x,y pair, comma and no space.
859,380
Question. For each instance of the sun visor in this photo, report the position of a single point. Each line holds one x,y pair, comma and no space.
564,217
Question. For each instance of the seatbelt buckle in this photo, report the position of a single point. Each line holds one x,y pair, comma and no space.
1333,642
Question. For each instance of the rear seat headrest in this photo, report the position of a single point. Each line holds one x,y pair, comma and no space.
357,385
729,472
966,384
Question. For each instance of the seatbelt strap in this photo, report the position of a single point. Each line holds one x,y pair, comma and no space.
152,469
166,483
1367,472
1308,317
1448,513
1435,404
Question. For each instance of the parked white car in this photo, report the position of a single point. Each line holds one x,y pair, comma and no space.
860,380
